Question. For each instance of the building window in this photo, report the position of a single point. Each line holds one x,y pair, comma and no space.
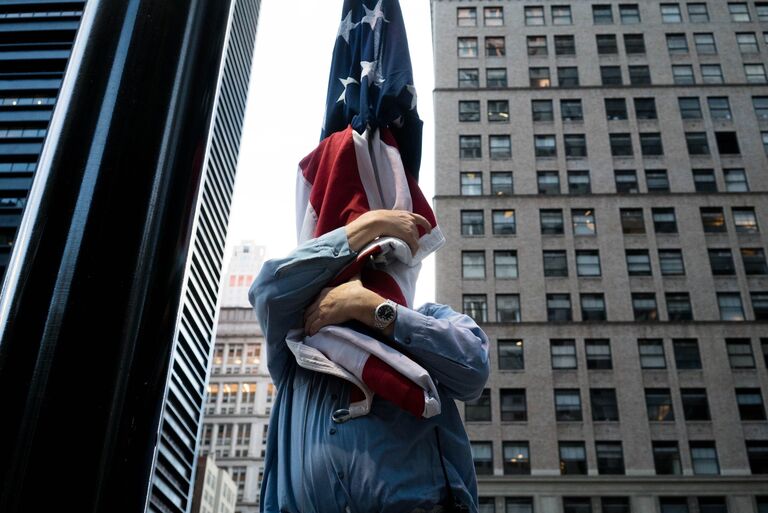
500,147
747,42
548,182
610,458
593,307
686,353
519,505
571,110
583,221
469,78
629,14
713,219
602,14
472,222
721,262
650,144
576,148
485,505
727,143
705,43
760,104
551,221
765,141
493,16
634,44
639,75
697,143
577,505
632,222
621,145
604,405
666,458
587,262
690,108
469,111
755,73
473,265
670,13
657,180
750,402
565,45
511,355
573,458
658,402
719,107
537,46
757,453
467,47
502,183
559,308
698,13
651,353
744,219
606,44
704,180
615,504
677,44
471,183
664,220
542,110
704,458
469,147
555,263
545,146
671,262
563,353
679,306
645,108
476,306
498,111
561,15
513,407
712,505
610,75
673,505
711,74
754,261
638,262
695,405
615,109
759,305
504,222
764,344
507,308
626,181
598,354
479,410
496,77
735,180
505,264
494,47
739,12
482,456
740,353
730,306
567,76
762,11
516,459
539,77
682,74
466,17
534,15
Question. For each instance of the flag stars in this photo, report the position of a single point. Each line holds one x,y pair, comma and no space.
372,16
345,82
346,27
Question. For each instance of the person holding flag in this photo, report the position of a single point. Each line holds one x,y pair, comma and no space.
364,418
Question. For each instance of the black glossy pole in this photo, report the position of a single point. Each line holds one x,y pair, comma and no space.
90,303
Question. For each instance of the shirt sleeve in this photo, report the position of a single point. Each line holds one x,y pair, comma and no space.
286,286
449,345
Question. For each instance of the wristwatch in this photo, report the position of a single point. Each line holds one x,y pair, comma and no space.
385,314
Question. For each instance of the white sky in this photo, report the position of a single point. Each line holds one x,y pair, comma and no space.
285,110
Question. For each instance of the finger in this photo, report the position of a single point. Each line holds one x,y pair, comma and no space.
422,221
312,319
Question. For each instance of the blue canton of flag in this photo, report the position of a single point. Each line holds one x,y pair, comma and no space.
371,81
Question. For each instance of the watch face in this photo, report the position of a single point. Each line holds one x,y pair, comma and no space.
385,313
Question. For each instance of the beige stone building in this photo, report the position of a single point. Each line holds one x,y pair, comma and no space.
214,492
602,178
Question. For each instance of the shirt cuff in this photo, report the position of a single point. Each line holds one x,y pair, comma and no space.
408,325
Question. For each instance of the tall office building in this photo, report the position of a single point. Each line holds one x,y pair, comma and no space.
36,38
215,492
247,258
602,181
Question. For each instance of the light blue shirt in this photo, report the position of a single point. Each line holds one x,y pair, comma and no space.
386,461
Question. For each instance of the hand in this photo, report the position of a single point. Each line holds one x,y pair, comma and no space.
393,223
336,305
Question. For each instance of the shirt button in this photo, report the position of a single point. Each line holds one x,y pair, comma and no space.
335,252
407,340
341,474
332,431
